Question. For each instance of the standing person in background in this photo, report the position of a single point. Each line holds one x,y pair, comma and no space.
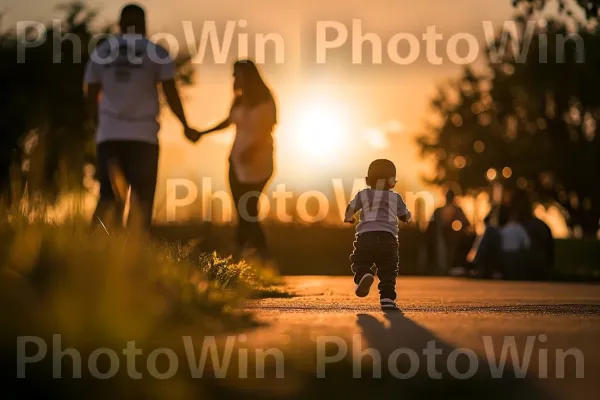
122,78
446,231
254,115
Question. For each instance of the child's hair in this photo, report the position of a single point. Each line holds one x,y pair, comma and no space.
382,174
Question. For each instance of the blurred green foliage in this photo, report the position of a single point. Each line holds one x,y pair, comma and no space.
47,136
527,119
324,249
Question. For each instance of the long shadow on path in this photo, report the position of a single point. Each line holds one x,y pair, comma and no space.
442,375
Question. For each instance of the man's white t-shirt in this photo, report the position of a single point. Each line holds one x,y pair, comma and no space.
129,67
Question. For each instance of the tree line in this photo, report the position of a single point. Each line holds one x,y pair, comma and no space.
46,133
527,119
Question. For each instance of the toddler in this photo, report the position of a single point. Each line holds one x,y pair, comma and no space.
376,242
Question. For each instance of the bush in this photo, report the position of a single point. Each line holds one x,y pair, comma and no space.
577,258
316,249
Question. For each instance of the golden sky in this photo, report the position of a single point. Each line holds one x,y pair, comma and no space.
359,112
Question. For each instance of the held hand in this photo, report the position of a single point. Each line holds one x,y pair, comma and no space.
192,134
350,221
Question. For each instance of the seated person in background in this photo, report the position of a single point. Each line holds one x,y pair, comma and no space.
521,247
515,243
540,256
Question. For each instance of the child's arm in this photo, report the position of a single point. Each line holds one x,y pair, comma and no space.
354,207
402,211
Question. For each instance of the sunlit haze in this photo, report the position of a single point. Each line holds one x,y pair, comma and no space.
333,118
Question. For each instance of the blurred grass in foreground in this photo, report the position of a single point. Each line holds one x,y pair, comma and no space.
320,249
99,290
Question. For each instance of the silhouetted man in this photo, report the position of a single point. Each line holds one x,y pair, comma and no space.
122,79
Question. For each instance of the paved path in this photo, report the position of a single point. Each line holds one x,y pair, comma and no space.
454,313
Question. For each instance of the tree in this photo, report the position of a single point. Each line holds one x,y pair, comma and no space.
530,123
587,8
43,121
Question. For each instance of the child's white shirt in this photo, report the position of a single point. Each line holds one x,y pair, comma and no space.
378,210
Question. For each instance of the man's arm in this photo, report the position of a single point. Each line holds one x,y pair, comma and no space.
174,101
175,104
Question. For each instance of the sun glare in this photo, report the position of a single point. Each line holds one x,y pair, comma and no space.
321,131
377,139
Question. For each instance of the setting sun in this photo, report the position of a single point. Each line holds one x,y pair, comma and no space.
321,130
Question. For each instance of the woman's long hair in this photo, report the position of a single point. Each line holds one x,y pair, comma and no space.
254,90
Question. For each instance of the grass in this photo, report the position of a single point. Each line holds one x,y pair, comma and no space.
104,291
239,275
98,290
68,271
320,249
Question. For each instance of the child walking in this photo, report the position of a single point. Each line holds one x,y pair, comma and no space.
376,242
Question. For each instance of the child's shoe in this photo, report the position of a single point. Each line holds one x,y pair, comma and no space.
389,305
364,285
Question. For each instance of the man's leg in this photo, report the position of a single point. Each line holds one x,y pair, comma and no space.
141,169
109,212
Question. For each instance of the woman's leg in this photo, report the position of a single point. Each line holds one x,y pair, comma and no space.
255,233
249,230
237,191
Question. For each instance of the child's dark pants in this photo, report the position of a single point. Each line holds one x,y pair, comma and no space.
379,249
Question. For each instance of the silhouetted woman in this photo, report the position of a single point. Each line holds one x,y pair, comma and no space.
254,115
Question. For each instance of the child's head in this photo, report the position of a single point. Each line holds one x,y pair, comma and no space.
381,175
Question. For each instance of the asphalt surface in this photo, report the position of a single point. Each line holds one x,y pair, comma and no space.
479,316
